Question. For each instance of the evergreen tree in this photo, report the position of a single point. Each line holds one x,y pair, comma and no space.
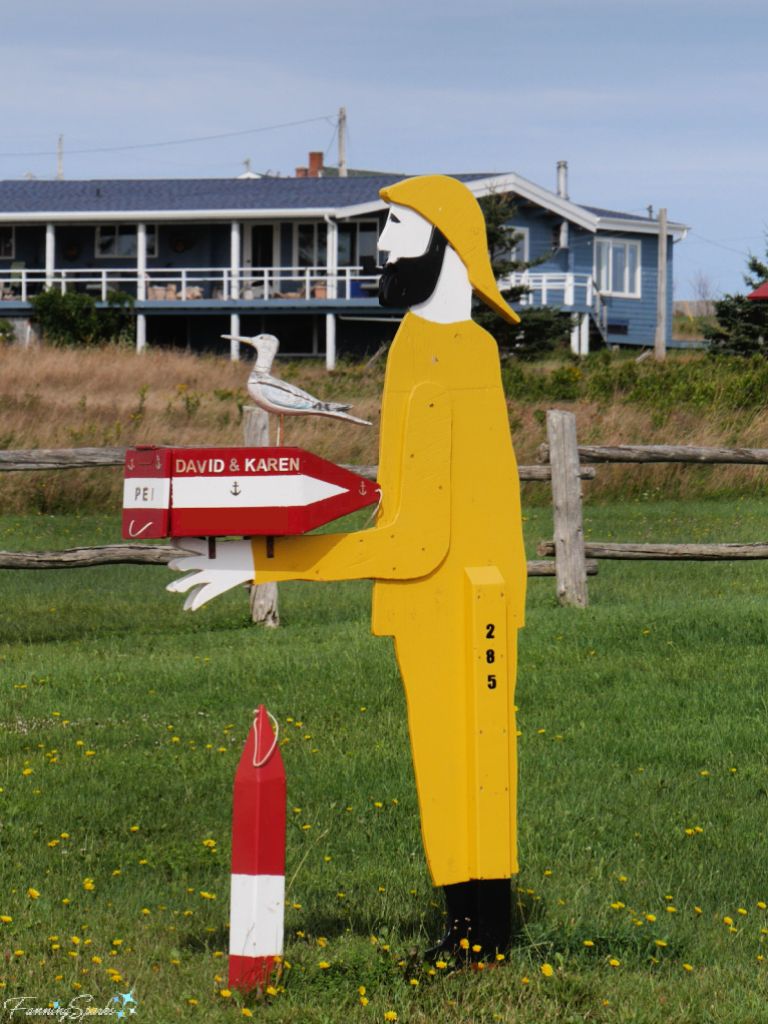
543,328
741,326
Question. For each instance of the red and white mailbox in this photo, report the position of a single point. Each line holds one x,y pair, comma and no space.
219,492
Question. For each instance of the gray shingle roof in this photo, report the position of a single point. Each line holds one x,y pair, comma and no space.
202,194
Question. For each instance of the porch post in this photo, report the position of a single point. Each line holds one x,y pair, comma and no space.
330,341
575,333
584,335
141,262
234,328
50,253
332,248
141,332
234,260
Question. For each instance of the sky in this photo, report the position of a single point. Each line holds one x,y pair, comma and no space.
656,102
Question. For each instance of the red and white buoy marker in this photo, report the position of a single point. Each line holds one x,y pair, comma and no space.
257,905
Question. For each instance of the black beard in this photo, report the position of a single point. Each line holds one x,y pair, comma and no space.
411,280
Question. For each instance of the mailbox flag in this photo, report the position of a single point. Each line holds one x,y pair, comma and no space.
257,906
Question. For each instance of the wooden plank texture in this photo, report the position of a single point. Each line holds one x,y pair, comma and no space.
666,552
566,501
263,597
666,453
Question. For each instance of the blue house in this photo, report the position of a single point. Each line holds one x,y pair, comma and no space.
297,257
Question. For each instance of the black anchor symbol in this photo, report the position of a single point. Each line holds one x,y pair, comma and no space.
235,489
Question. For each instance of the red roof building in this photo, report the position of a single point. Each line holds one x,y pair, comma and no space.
760,294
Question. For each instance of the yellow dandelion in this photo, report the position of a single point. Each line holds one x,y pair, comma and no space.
588,943
191,1002
650,917
476,948
208,895
390,1015
547,970
742,911
271,990
323,965
363,1000
618,905
762,904
441,965
224,993
728,921
660,943
687,967
6,918
33,893
464,943
614,962
525,981
322,941
88,884
246,1012
413,981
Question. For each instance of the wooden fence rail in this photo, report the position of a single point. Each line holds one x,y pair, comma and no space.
157,554
568,545
563,462
664,453
27,459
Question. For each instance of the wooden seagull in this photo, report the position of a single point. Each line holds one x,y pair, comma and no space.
278,396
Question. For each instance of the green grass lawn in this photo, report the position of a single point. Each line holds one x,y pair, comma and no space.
643,776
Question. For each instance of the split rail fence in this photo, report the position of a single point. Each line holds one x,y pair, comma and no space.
563,462
263,597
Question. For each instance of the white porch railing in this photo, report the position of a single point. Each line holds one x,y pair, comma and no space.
577,292
190,284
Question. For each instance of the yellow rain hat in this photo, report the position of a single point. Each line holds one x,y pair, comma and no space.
450,207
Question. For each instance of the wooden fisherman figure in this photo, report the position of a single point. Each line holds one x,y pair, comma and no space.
446,553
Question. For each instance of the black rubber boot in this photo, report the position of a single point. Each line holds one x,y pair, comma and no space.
493,923
460,909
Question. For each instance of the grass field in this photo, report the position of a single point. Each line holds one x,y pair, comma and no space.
644,792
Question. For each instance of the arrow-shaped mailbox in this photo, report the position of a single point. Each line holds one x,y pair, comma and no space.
219,492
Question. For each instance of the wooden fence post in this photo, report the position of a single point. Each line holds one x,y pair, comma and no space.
263,596
570,563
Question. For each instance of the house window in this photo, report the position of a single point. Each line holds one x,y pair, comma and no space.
358,245
617,267
310,245
119,241
7,243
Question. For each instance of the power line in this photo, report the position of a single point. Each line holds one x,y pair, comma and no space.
728,248
330,118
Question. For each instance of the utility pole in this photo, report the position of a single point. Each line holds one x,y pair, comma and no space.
342,142
660,342
60,159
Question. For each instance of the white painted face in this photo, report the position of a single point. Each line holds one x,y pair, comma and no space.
405,234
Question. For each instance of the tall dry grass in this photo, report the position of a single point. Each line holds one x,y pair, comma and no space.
62,398
65,398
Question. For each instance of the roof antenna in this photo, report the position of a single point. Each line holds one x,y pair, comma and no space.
60,159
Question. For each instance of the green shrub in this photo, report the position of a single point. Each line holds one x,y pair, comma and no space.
74,319
7,333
